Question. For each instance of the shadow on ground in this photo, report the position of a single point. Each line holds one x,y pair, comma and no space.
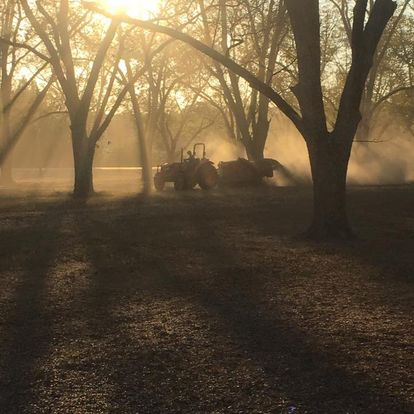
205,303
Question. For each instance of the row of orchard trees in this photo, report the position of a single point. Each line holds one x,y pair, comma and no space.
331,69
92,68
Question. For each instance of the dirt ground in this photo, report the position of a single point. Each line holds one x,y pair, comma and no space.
205,303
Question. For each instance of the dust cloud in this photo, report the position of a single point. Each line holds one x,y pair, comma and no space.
386,162
44,155
221,149
382,163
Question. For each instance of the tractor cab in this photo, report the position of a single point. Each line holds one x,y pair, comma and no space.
194,154
189,172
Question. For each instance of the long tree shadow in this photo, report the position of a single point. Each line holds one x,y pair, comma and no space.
384,239
312,376
27,324
292,362
118,283
387,232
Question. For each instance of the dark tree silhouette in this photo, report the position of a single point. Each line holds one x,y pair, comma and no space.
13,56
77,102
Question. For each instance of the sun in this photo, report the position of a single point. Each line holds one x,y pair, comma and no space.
141,9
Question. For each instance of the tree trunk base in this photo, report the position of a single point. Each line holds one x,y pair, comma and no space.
82,195
329,232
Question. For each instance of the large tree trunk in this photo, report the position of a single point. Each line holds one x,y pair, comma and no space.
254,151
83,187
329,164
83,155
255,143
259,138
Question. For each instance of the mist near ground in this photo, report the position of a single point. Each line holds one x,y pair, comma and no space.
388,162
43,157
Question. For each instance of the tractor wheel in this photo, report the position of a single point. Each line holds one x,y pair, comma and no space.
179,183
207,177
159,182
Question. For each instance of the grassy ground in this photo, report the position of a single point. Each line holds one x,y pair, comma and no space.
205,303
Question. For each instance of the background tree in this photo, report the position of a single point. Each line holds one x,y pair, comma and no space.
13,84
163,105
179,120
390,73
132,76
251,33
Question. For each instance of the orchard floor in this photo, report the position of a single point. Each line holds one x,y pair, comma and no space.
204,303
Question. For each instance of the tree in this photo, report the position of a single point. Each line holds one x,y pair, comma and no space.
158,114
177,92
13,86
252,33
56,25
329,151
129,77
390,73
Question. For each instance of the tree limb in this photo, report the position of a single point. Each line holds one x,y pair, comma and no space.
276,98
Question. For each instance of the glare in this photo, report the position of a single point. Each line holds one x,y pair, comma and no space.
135,8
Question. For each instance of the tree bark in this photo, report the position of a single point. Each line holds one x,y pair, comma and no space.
83,155
259,137
329,165
254,150
83,187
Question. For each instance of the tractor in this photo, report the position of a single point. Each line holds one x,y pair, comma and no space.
189,172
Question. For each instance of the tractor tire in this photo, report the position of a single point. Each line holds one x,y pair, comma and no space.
207,177
159,182
180,183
